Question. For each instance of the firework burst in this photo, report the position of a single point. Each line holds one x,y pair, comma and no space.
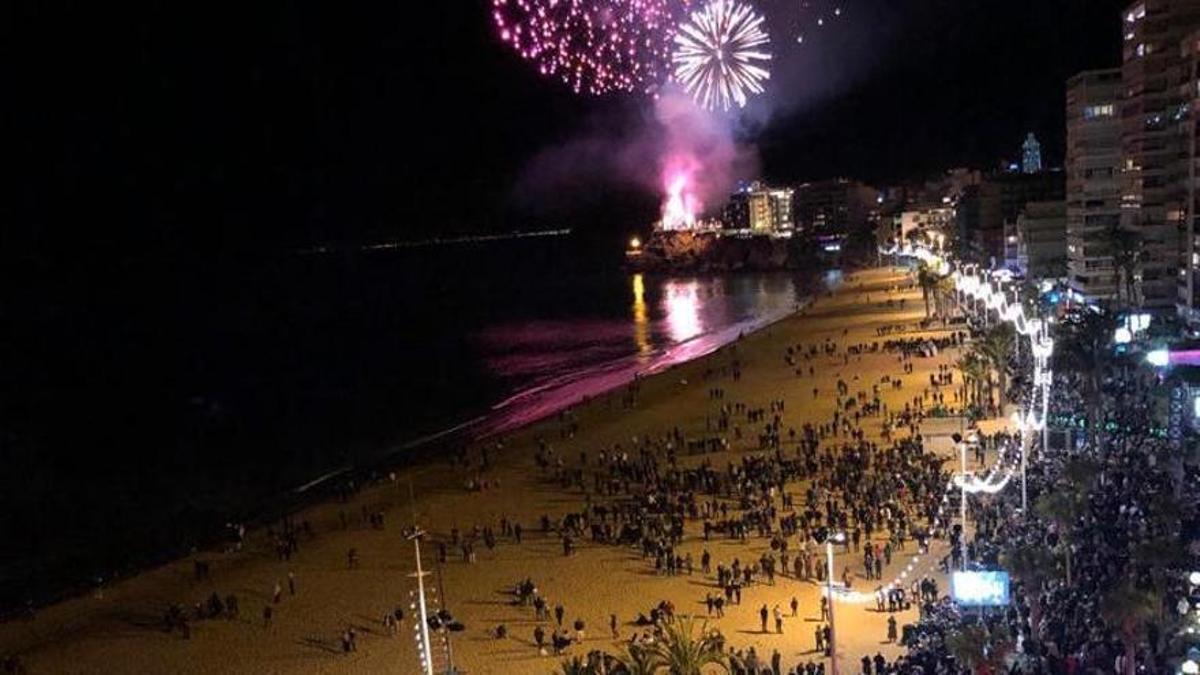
720,56
593,46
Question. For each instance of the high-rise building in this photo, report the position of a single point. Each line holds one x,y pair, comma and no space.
987,213
835,207
737,212
760,210
1155,154
1042,240
1031,153
1093,181
1188,121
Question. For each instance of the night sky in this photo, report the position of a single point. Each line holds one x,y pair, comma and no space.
203,130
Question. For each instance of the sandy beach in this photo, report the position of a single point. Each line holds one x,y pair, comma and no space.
120,630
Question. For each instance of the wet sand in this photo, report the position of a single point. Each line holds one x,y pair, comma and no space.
119,631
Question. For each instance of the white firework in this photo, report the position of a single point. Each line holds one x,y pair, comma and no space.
720,56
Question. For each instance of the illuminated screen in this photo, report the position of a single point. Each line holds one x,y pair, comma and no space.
979,589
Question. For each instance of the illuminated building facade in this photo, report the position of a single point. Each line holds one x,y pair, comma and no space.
761,210
1155,155
1093,180
1188,283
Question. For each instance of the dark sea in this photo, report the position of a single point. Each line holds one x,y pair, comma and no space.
139,420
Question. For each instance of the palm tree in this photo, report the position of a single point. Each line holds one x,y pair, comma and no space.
977,649
1032,565
1127,609
575,666
974,371
1126,248
946,290
1061,508
928,280
682,652
638,661
1082,348
995,347
968,645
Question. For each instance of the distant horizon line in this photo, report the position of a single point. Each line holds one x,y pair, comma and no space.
436,241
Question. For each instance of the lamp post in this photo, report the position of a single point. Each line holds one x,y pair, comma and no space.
962,537
838,537
423,627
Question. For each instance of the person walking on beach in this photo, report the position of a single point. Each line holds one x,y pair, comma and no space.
762,615
277,593
558,614
778,619
795,607
539,638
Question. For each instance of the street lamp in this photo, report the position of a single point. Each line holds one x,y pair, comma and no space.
423,627
832,537
962,536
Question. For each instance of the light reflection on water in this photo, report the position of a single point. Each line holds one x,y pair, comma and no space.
641,320
554,361
681,305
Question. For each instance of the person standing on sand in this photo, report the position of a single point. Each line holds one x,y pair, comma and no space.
277,593
612,625
778,619
762,615
795,607
539,638
558,614
291,583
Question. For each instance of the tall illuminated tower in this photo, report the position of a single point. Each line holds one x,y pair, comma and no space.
1032,155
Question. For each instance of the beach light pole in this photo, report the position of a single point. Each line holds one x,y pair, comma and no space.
423,626
1026,444
838,537
962,507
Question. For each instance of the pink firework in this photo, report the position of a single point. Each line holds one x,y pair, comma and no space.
593,46
681,205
